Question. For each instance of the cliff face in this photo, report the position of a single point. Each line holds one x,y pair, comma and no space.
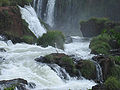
12,26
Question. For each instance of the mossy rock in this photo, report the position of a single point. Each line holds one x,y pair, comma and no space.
112,83
10,88
94,26
51,38
87,69
100,44
62,60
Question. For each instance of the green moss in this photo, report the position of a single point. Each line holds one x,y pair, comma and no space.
88,69
28,39
100,20
116,59
50,38
115,71
112,84
100,44
10,88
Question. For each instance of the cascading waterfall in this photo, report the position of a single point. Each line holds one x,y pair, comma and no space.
99,72
50,12
60,71
29,14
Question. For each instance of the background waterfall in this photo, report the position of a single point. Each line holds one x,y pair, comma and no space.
29,14
50,12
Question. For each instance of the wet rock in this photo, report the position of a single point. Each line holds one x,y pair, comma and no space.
31,85
18,83
2,50
99,87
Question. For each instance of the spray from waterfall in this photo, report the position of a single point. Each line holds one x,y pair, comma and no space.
29,14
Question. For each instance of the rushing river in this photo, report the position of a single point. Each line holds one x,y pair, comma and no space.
19,62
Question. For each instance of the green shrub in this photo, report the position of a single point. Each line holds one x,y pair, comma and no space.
112,84
28,39
115,71
100,20
116,59
100,44
50,38
88,69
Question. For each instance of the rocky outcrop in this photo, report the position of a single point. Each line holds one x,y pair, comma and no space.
13,27
93,27
18,83
62,60
86,68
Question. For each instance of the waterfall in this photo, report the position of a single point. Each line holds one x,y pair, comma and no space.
60,71
99,72
50,12
34,3
29,14
39,8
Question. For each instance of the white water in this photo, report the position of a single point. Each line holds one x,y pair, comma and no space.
29,14
19,63
50,12
79,47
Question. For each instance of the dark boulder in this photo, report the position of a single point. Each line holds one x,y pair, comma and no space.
95,26
18,83
99,87
2,50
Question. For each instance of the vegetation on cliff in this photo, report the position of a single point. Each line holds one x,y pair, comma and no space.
107,43
52,38
13,27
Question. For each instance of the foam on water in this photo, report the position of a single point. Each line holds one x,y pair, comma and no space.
79,47
19,63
